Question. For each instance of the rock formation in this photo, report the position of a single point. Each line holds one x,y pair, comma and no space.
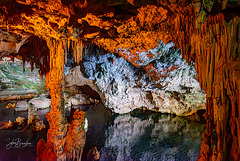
16,83
22,123
207,32
164,83
65,139
218,56
21,106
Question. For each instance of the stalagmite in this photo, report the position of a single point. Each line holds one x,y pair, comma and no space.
65,140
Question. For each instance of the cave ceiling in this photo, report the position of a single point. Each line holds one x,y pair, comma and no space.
113,25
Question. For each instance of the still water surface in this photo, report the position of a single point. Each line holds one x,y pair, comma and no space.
137,136
143,136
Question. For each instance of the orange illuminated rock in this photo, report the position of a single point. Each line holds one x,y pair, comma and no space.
68,140
64,140
207,32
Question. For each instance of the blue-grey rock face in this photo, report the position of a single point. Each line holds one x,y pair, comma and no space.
126,88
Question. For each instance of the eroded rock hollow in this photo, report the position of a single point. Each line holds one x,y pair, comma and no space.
46,32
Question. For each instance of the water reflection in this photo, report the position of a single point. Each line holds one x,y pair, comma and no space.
98,117
136,136
65,140
22,153
152,137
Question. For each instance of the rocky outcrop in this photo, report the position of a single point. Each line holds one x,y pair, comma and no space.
93,154
37,103
34,119
21,106
172,88
77,100
76,83
40,102
22,123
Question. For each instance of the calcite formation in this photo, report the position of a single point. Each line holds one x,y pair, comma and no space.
169,86
65,140
207,32
68,140
218,56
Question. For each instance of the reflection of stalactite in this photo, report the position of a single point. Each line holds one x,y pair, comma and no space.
64,140
69,139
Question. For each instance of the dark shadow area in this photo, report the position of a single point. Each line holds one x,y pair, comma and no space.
99,117
89,91
24,135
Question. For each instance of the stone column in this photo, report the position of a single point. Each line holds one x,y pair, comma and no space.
64,140
216,45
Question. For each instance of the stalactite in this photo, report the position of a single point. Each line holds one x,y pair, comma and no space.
65,51
217,59
77,48
81,50
77,52
36,52
74,50
64,140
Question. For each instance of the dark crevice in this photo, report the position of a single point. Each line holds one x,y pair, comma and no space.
89,91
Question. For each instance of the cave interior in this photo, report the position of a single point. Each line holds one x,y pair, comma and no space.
47,33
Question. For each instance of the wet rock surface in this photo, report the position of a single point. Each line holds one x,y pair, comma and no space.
40,102
21,106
